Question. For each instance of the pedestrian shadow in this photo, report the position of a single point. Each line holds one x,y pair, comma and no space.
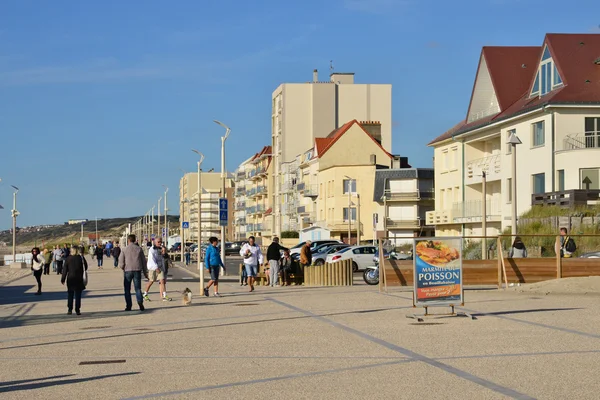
18,295
31,320
7,387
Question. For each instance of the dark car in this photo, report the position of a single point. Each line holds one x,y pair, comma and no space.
233,248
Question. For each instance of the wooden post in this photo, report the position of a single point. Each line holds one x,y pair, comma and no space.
500,255
336,268
350,272
381,265
306,274
330,275
344,275
558,259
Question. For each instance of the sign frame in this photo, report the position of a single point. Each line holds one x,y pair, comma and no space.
450,285
185,225
223,211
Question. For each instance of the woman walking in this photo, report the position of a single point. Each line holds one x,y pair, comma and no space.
47,261
99,256
37,266
73,272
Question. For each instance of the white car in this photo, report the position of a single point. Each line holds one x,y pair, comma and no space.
313,245
361,256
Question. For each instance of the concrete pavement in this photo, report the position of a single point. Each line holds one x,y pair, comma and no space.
293,343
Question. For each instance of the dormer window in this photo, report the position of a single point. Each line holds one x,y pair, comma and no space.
547,78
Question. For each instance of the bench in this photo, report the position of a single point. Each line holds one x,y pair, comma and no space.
261,278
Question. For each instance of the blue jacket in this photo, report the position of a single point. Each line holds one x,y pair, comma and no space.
212,258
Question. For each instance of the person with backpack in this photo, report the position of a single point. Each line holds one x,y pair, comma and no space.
518,249
567,244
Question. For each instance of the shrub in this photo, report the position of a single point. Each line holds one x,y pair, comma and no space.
290,235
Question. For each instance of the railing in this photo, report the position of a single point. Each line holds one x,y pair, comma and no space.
491,165
392,223
251,210
261,189
300,186
240,175
471,210
413,195
311,191
240,205
240,190
583,140
240,221
339,225
251,192
566,198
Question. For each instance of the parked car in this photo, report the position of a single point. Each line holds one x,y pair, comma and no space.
320,256
233,248
361,256
594,254
392,255
313,245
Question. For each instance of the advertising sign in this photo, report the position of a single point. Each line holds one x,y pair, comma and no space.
438,272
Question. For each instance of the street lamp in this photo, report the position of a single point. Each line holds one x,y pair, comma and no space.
181,220
15,214
200,220
166,215
514,140
223,139
158,231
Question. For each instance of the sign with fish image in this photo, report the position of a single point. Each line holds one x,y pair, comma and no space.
438,272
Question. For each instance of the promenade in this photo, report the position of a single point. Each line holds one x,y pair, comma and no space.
292,343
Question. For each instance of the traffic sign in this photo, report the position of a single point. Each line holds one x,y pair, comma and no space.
223,214
153,236
164,232
185,225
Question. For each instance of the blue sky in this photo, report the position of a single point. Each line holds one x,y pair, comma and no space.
100,102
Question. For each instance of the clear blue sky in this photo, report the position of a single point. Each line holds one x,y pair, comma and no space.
100,102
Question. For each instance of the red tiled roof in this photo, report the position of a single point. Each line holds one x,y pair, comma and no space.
573,55
335,135
321,144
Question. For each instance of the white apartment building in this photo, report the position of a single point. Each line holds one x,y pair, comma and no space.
549,97
302,112
241,181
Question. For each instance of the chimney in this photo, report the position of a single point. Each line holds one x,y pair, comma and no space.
373,128
315,76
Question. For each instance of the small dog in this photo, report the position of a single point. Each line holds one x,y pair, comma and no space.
187,297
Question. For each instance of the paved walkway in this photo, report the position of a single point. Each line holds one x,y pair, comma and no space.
293,343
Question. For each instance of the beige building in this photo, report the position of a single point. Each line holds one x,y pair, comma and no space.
259,192
240,199
548,97
302,112
211,192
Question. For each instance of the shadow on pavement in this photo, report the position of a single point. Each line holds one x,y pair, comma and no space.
5,388
535,310
10,383
18,294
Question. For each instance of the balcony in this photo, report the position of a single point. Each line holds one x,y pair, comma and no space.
261,190
409,196
581,141
393,223
470,211
301,210
240,190
251,192
491,165
339,225
240,175
240,221
310,191
240,205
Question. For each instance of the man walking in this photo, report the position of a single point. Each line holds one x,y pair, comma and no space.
133,263
116,253
273,256
99,256
156,270
306,255
59,257
253,257
213,263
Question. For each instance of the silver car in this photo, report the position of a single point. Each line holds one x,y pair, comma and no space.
320,257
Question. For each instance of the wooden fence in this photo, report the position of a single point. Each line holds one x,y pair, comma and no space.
338,273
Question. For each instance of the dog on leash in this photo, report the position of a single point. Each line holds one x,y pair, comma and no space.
187,297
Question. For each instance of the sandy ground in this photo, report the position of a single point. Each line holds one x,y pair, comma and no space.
589,285
7,274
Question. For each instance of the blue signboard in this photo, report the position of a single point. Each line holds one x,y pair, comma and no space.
153,236
164,231
223,214
185,225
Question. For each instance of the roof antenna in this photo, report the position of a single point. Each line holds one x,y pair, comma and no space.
330,65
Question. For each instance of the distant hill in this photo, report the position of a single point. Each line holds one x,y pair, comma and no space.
108,228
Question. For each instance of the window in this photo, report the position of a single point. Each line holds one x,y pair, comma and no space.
539,183
445,161
454,158
456,194
561,179
349,185
352,213
547,77
509,133
592,132
509,190
442,198
589,179
537,134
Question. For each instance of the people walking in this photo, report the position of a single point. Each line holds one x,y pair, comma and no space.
187,255
37,267
133,263
99,256
306,255
567,244
213,263
518,249
273,258
47,261
156,270
116,252
253,257
73,271
59,257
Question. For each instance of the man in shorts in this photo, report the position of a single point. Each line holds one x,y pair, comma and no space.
253,257
213,263
156,270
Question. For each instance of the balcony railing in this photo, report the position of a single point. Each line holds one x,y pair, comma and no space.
339,225
392,195
261,189
470,211
300,187
491,165
583,140
393,223
310,191
240,205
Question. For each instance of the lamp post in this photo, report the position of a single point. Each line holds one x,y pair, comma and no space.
514,140
97,243
182,219
166,216
349,208
152,221
483,215
223,139
200,220
15,214
158,231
